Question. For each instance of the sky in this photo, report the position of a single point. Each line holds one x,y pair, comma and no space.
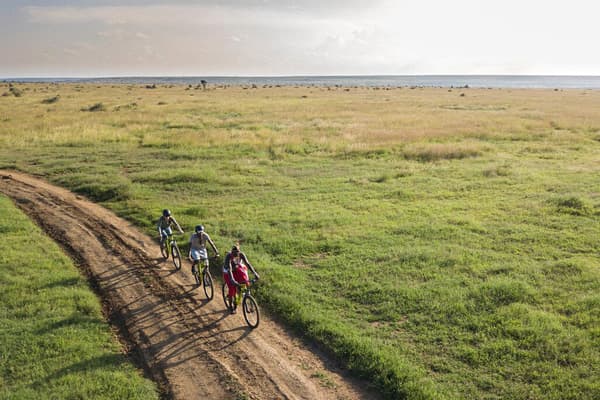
85,38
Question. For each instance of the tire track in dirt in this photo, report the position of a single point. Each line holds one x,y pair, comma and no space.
191,347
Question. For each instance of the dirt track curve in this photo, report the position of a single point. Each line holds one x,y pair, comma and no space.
191,347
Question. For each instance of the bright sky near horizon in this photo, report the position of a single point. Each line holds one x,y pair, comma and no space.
91,38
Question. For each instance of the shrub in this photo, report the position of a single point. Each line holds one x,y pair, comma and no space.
440,151
104,192
51,100
496,171
380,179
572,205
15,92
95,107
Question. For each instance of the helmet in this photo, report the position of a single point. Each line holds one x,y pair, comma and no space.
199,228
166,213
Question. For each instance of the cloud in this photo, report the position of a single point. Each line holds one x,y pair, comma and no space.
312,36
313,7
70,15
121,34
271,13
117,34
149,50
70,52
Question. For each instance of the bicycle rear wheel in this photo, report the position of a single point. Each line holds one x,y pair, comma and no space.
224,291
251,313
207,283
176,256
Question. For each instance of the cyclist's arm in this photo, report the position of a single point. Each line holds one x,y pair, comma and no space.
227,267
190,246
236,283
226,262
227,257
245,259
209,240
230,272
159,226
177,225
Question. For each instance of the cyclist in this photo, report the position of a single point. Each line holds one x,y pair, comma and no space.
235,273
198,250
164,226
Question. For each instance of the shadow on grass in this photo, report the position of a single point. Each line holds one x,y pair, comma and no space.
63,283
77,321
110,362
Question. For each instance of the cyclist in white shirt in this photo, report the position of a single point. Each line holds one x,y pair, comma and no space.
198,252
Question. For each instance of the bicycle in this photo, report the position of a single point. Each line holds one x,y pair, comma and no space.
169,246
206,281
249,305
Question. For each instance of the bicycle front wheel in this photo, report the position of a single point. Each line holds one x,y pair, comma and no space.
164,251
251,313
176,256
207,283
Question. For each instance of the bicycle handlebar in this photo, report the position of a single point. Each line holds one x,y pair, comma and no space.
251,282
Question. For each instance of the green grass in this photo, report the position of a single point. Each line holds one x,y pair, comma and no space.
440,246
54,341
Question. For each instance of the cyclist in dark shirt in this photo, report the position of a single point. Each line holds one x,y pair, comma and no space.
164,225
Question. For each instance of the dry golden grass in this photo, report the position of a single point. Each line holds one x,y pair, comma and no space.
357,120
426,124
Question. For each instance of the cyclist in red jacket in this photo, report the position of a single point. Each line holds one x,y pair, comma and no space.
235,273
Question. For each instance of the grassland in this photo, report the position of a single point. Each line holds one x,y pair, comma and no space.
442,245
54,341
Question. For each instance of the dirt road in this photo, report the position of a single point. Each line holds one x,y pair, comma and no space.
191,347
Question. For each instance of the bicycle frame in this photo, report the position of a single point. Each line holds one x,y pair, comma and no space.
243,291
169,248
244,298
168,242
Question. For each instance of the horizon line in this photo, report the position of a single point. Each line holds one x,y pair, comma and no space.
293,76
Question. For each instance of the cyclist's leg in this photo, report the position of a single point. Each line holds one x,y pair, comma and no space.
163,236
202,256
241,276
195,259
167,233
231,292
194,266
